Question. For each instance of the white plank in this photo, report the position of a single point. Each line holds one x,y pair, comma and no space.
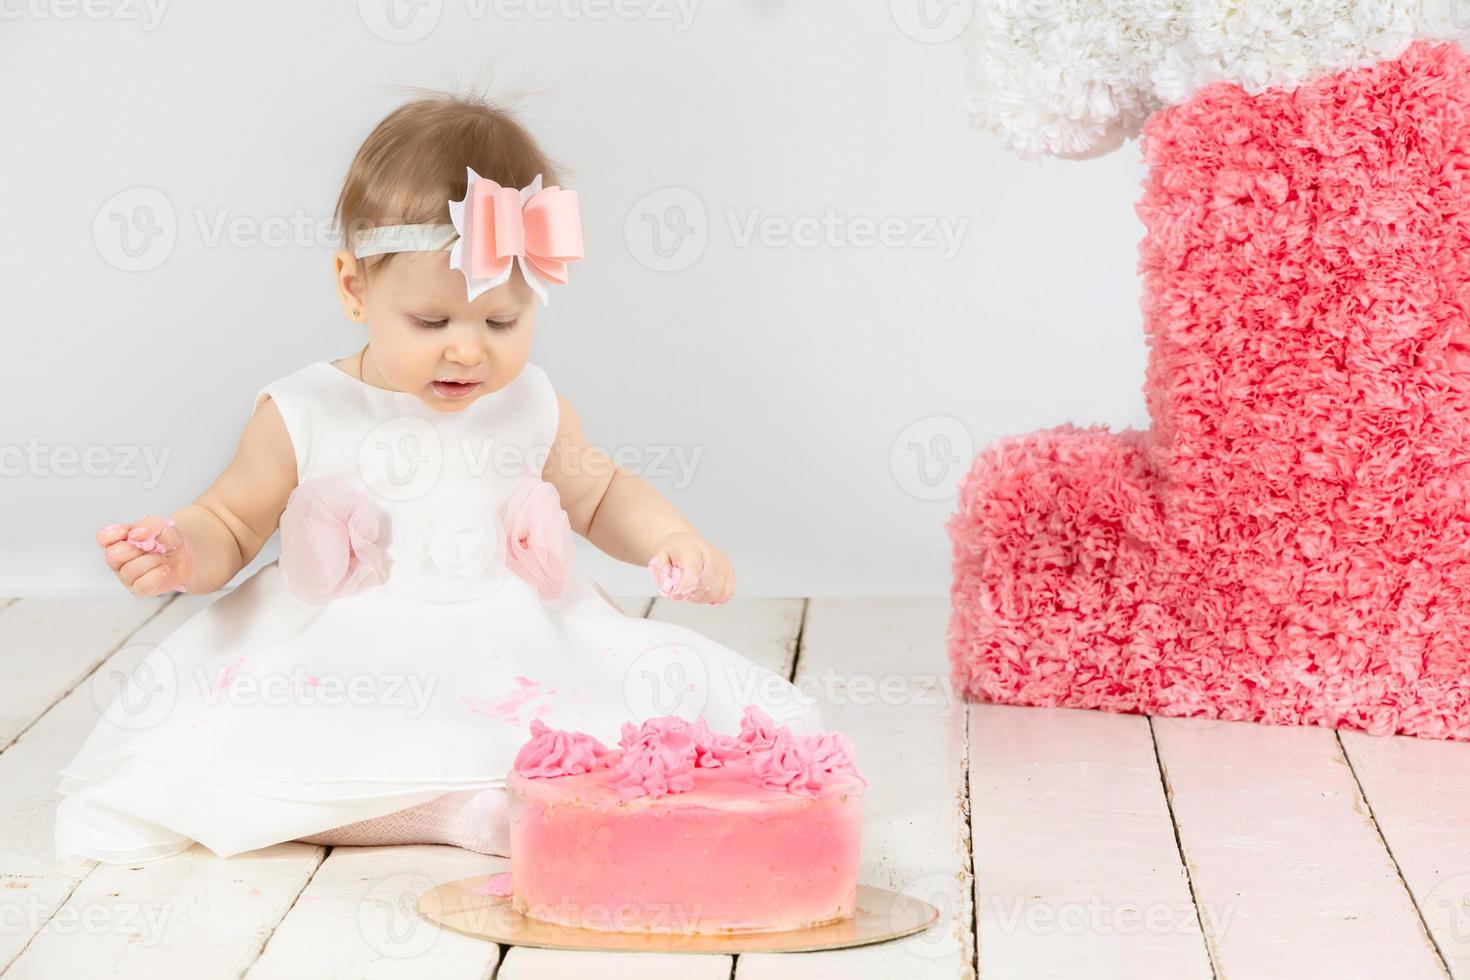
1419,792
358,918
192,914
765,630
1290,875
526,963
1077,873
881,666
49,645
32,884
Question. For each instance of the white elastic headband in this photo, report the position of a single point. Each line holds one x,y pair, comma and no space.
493,229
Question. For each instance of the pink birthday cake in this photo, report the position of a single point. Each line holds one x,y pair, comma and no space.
683,830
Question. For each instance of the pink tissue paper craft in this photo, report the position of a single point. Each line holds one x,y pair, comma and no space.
329,534
1289,541
538,537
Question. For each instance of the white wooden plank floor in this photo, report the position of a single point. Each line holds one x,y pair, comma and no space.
1056,843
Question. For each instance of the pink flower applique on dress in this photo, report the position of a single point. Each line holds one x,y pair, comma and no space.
538,537
329,535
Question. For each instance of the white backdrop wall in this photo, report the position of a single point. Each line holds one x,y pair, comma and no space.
808,284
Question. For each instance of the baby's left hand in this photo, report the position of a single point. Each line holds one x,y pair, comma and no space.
687,567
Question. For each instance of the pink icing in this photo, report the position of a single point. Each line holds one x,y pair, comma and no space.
787,763
538,533
661,755
711,748
757,731
797,763
662,723
672,580
833,752
655,760
226,677
726,857
553,752
149,541
527,690
329,533
498,885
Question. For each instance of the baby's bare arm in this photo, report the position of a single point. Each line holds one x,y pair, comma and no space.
203,546
616,510
624,516
232,520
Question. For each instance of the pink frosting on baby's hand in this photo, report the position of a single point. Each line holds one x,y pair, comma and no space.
150,539
671,580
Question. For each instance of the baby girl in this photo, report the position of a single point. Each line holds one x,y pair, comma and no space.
426,488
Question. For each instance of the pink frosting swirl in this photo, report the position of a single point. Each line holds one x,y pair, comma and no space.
787,763
833,752
329,534
655,761
631,733
538,537
660,755
553,752
757,730
711,749
800,764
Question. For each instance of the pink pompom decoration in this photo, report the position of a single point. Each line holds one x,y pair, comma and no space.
329,533
538,544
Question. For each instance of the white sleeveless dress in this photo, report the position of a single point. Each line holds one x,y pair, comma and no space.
266,717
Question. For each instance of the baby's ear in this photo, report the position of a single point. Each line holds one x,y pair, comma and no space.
1077,78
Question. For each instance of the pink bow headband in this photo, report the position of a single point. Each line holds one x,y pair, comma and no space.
540,228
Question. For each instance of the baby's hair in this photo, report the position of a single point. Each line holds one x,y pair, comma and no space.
413,163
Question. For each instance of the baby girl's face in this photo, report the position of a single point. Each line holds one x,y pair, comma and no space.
423,332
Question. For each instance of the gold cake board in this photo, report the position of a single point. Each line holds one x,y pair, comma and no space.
880,915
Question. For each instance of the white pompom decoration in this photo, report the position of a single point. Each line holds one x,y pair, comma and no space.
1077,78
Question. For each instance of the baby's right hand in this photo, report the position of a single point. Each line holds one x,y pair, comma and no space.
150,556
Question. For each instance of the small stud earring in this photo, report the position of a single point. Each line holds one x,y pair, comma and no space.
354,314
